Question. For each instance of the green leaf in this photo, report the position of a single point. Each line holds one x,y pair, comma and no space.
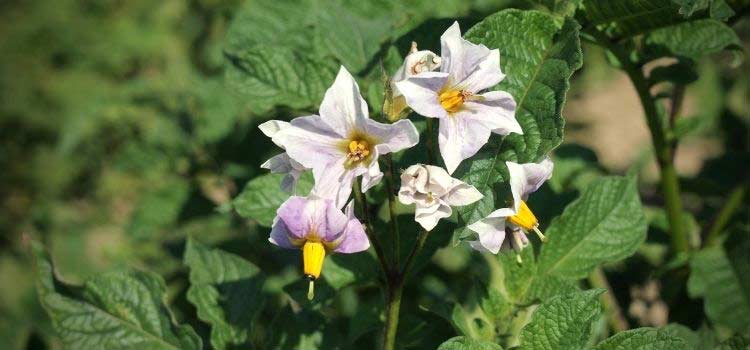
643,339
267,76
159,208
227,292
605,224
465,343
538,54
722,278
262,196
341,270
120,310
693,39
738,342
624,18
563,322
718,9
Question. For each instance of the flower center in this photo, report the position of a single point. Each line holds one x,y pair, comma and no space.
525,218
313,253
430,197
452,100
358,151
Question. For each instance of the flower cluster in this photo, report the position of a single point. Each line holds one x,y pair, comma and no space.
341,143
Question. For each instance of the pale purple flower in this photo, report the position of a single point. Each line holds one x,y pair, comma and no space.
281,163
518,219
343,142
318,227
434,192
453,95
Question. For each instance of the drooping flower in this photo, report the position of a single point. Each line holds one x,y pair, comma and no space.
415,62
453,95
319,228
281,163
518,219
343,142
434,192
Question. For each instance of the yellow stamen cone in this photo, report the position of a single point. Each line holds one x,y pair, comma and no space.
525,218
452,100
313,254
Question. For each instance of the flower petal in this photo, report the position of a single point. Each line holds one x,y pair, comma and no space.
536,174
302,216
461,58
494,109
428,216
517,183
491,233
354,238
373,175
334,182
280,235
486,73
439,181
459,139
271,127
393,137
462,193
343,107
421,93
310,142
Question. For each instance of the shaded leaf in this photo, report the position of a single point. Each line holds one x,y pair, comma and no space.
120,310
262,196
465,343
227,292
643,339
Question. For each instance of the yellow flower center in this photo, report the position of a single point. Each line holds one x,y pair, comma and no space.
525,218
358,151
313,253
452,100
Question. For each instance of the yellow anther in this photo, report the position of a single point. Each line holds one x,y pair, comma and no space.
525,218
313,254
452,100
358,150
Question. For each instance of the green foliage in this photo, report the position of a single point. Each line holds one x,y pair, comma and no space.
605,224
121,310
711,267
643,339
539,87
693,39
563,322
227,292
263,195
128,134
464,343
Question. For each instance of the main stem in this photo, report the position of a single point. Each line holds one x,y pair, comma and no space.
390,187
670,183
395,289
663,149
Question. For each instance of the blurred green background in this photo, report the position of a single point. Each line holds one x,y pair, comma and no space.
119,137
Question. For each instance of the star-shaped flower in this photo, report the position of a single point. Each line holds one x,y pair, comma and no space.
319,228
518,219
433,192
343,142
454,95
